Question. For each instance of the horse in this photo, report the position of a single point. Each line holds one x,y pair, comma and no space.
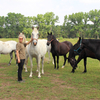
58,49
83,54
27,55
8,47
93,45
37,49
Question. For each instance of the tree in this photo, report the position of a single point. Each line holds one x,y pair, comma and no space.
94,17
2,26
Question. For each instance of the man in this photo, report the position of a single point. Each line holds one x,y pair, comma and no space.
20,52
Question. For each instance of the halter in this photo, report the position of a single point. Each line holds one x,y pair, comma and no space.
50,41
77,50
35,39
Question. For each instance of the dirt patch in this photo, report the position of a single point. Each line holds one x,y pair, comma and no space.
61,83
3,65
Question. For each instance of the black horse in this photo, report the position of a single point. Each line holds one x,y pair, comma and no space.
93,45
83,52
58,49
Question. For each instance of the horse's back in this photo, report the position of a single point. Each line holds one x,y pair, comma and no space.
12,44
68,43
5,48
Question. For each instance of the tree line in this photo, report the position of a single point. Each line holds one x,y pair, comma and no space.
77,24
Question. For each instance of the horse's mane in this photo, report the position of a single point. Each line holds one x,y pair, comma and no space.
55,38
94,40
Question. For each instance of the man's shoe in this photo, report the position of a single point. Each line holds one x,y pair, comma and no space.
21,81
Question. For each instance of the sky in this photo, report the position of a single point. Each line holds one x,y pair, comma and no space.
59,7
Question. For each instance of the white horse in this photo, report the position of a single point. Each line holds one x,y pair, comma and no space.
27,55
37,48
8,47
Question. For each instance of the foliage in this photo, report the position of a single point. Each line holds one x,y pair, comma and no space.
77,24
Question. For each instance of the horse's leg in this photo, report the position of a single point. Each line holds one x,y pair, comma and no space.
49,56
11,57
57,62
39,74
42,65
85,70
25,64
15,57
54,61
64,61
31,65
37,64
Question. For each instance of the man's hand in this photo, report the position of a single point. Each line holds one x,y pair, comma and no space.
18,60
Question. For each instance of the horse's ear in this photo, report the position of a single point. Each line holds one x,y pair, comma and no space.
38,28
32,27
79,38
48,33
51,33
18,32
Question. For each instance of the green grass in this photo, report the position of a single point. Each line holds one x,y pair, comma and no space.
54,84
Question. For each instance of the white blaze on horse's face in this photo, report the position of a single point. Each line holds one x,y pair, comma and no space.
35,35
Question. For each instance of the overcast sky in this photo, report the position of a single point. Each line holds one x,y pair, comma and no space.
58,7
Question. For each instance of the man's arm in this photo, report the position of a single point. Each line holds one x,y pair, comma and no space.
17,53
29,41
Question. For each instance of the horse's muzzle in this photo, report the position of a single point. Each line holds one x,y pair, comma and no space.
48,43
35,43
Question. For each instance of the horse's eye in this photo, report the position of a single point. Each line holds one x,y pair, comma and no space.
32,34
37,35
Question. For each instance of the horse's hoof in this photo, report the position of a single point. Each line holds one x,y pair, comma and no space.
72,71
9,64
42,73
63,66
84,72
30,76
39,76
26,71
37,71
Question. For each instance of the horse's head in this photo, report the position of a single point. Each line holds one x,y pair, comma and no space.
72,61
50,38
71,57
35,35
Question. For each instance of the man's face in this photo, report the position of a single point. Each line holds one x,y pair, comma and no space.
20,39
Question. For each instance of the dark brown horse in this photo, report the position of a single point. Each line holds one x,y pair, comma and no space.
83,54
58,49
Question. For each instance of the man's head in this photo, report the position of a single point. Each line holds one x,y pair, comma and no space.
20,37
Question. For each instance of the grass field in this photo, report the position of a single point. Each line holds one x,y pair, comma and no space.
54,84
